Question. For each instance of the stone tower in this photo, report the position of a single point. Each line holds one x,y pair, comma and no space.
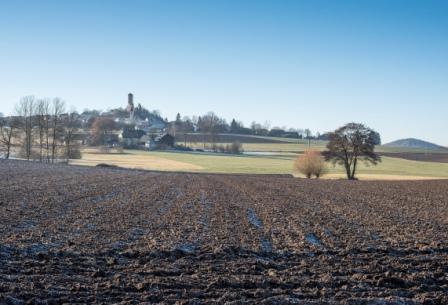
130,107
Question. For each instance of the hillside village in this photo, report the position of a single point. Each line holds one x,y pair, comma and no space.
130,127
140,127
43,129
143,128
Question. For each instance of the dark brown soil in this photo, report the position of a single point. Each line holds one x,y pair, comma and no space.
428,157
100,235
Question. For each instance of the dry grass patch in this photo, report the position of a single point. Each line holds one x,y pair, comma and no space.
148,162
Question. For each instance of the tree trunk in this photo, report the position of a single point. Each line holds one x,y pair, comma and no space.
28,138
53,143
41,140
68,144
8,146
347,170
354,169
47,134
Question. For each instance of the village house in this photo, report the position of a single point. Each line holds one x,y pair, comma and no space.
162,141
132,138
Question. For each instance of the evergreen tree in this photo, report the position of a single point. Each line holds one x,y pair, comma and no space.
234,126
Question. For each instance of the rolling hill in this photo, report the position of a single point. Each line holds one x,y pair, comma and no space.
413,143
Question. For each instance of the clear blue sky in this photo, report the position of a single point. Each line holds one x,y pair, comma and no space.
315,64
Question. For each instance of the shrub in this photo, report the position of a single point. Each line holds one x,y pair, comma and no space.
236,148
233,148
222,149
75,153
310,163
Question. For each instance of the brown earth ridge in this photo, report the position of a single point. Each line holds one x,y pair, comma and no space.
425,157
97,235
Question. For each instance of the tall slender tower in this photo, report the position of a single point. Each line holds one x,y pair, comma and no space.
130,107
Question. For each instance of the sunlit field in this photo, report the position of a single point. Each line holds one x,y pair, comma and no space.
389,168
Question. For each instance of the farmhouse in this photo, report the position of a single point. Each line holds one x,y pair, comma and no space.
132,138
79,138
160,142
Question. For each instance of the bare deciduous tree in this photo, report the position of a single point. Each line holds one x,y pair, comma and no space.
25,110
71,125
57,110
102,128
47,125
8,131
42,121
307,133
211,124
351,143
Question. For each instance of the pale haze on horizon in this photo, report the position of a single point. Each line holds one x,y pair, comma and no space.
301,64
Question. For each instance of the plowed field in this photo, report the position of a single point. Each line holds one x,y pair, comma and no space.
94,235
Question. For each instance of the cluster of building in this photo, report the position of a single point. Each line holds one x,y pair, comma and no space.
149,132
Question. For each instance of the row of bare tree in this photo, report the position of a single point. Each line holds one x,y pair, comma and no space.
39,128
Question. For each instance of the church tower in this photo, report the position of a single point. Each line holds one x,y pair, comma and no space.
130,107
